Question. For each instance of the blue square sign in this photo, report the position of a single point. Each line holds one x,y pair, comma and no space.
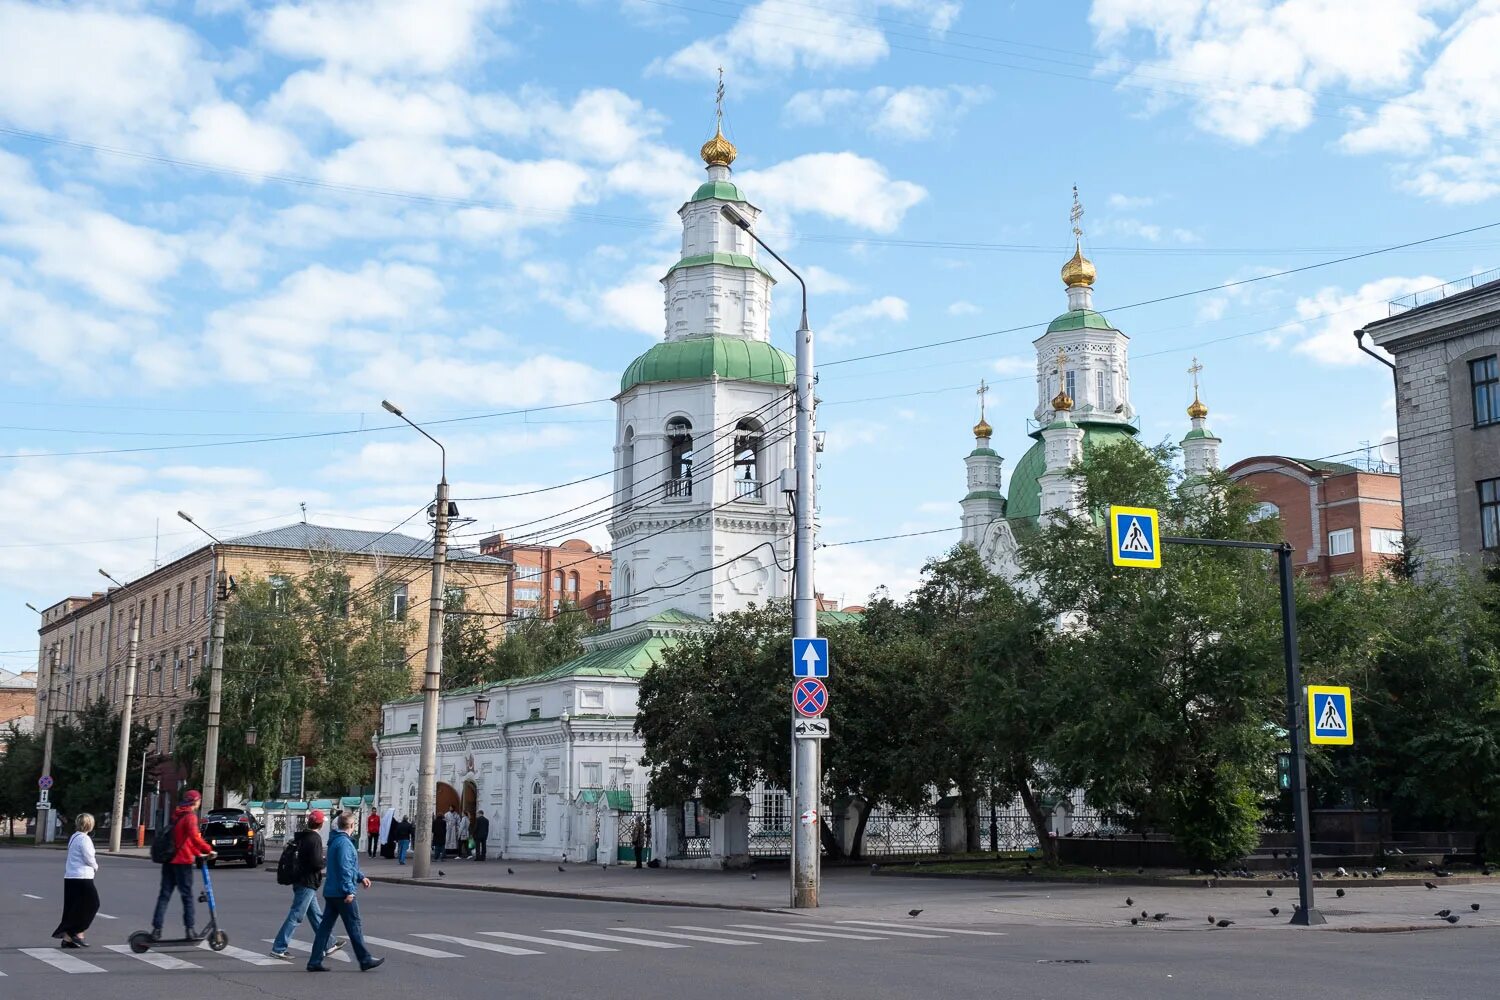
809,657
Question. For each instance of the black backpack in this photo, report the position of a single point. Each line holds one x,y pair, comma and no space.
287,868
163,846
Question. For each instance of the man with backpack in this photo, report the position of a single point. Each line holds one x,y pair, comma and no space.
301,867
177,849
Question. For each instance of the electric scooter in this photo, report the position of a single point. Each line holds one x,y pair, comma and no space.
140,941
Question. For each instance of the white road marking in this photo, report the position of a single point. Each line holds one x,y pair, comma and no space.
243,955
769,937
414,949
616,938
572,945
30,896
945,930
106,916
60,960
685,937
503,949
337,956
882,933
151,958
820,934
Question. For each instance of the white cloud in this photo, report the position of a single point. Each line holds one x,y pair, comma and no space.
843,186
779,36
847,324
1330,317
58,336
361,106
963,308
821,281
908,113
1014,365
637,304
1129,203
377,36
222,133
392,460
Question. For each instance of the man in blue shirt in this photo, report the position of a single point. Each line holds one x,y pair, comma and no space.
344,880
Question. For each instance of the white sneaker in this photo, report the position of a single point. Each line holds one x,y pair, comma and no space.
337,944
284,955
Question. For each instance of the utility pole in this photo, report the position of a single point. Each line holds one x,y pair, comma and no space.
432,678
122,758
54,658
215,670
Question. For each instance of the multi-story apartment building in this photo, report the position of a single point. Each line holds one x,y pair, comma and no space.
174,605
1340,519
1446,345
547,575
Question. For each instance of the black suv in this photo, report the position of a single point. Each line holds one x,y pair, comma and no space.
235,835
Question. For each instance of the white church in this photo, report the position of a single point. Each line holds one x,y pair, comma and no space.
701,527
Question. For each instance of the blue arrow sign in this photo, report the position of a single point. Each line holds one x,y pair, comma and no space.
809,657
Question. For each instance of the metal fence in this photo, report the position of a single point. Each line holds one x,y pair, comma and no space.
695,830
625,836
770,823
1428,296
889,834
1007,829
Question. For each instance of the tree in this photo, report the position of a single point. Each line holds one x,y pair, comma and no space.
85,749
532,645
467,648
20,766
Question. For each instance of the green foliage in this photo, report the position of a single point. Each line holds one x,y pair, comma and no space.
466,642
1216,820
532,645
85,749
20,766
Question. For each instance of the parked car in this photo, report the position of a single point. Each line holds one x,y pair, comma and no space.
235,835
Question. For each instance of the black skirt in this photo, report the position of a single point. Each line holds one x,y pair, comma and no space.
80,904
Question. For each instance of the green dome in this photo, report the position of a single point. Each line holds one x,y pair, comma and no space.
1080,319
1025,480
702,358
723,190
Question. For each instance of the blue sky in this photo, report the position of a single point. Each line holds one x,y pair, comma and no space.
223,220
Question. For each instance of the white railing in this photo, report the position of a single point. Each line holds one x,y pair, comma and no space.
748,490
680,488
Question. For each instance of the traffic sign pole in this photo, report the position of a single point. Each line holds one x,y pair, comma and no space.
42,806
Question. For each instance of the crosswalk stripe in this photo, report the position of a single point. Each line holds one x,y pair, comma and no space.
572,945
683,937
945,930
615,937
503,949
881,933
61,960
30,896
244,956
819,934
413,949
795,939
152,958
337,956
106,916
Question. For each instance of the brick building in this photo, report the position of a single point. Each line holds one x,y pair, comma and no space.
1340,519
547,575
17,700
1446,342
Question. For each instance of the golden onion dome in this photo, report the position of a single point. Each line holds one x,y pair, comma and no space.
1062,401
718,151
983,429
1079,270
1196,409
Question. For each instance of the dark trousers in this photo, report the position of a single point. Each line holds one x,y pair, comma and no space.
479,849
178,878
335,908
374,843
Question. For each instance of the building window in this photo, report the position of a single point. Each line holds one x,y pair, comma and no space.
1341,542
278,592
1099,390
171,730
538,806
1385,541
593,775
1484,375
177,607
528,592
1489,513
1073,386
627,467
192,600
153,617
176,666
1264,512
398,602
573,584
679,459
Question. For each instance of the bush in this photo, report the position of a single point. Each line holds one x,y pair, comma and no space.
1216,821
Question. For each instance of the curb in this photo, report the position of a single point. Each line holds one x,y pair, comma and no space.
566,894
1191,882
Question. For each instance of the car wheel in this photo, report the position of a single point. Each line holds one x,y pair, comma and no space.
251,860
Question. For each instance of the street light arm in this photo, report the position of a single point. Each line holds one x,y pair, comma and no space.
744,223
394,409
189,519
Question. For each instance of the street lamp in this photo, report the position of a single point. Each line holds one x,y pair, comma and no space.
122,758
807,770
252,736
481,708
432,679
43,807
215,671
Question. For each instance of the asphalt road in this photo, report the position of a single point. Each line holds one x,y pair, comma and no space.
463,943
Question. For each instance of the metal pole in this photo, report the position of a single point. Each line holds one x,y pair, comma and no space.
53,659
140,800
1306,915
432,690
215,689
122,759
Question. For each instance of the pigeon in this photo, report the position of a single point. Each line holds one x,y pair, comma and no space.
913,913
1275,911
510,871
874,868
1158,917
1223,923
1134,921
1140,871
1442,913
1452,918
1429,885
1210,918
1129,901
753,876
1269,892
1474,907
1339,893
1143,914
441,873
561,868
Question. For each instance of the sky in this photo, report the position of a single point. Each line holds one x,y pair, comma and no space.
222,222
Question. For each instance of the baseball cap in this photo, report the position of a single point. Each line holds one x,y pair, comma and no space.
191,797
316,817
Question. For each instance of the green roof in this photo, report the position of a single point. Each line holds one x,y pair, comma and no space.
990,452
630,661
1202,432
723,260
1337,468
703,358
615,798
723,190
985,495
1080,319
1025,500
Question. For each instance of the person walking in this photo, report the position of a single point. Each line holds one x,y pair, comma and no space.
307,879
439,835
638,840
481,835
463,835
339,903
403,831
372,832
80,896
450,841
188,846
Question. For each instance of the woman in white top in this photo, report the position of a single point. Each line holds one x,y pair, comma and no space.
80,897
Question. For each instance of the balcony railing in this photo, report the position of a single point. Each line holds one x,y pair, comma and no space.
748,490
680,489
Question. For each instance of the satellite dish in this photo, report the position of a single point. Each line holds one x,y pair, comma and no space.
1390,450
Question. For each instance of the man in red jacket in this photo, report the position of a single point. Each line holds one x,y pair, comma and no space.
177,874
372,832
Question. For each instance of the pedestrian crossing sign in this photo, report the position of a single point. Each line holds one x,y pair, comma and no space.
1133,537
1329,716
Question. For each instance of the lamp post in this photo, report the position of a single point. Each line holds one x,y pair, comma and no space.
481,708
140,800
432,678
807,769
43,807
215,670
122,758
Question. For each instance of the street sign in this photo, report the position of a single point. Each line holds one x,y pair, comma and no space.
809,697
809,657
1133,537
1330,717
44,782
811,729
292,771
43,804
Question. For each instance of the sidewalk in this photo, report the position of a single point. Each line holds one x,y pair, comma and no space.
854,894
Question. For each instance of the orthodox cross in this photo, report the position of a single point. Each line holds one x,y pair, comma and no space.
1076,215
1193,370
981,392
719,103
